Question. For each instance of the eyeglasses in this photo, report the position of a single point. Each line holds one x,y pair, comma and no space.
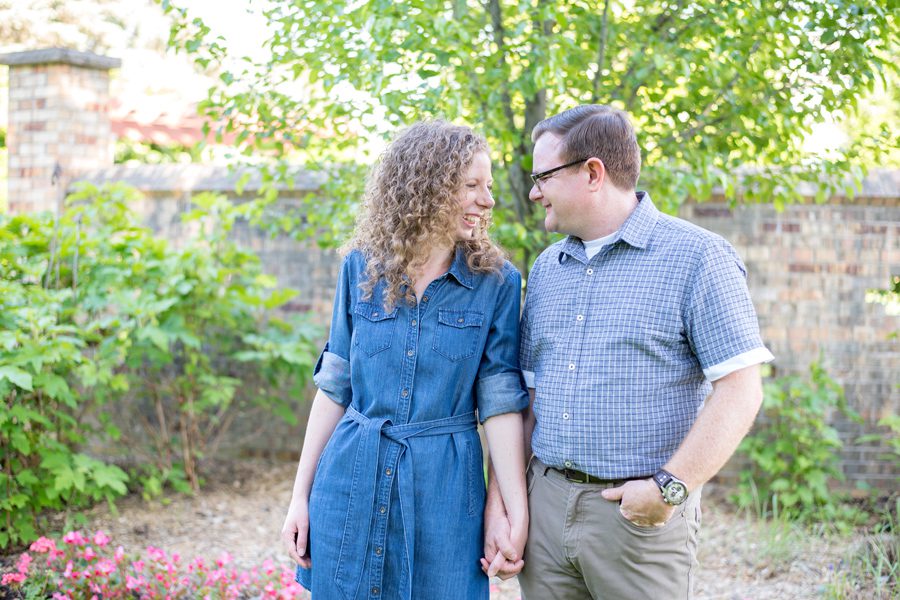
537,178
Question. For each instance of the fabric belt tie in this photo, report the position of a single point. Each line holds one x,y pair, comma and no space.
352,559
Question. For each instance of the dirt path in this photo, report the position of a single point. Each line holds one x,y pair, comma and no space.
242,512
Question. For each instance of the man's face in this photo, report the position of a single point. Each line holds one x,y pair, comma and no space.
558,193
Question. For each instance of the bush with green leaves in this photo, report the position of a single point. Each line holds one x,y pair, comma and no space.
793,451
97,314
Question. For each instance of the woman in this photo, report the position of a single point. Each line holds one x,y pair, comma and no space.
389,494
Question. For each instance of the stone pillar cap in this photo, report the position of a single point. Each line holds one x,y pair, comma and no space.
65,56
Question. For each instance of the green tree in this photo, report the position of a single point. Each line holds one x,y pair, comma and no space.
721,92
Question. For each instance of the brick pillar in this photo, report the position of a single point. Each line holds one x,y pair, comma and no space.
58,122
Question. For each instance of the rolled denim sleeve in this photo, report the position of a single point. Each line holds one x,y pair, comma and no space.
332,372
499,387
332,376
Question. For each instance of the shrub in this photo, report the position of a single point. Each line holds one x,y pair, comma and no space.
95,310
793,452
80,567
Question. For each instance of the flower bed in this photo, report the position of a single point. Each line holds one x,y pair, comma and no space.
83,567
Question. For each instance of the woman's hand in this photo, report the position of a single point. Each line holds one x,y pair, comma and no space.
323,418
295,532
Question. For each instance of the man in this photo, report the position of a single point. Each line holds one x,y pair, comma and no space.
628,325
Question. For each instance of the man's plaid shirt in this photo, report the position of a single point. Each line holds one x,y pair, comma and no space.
623,346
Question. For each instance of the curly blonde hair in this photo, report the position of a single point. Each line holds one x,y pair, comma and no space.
411,204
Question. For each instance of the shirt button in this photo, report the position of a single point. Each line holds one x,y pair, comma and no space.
382,509
571,366
414,323
375,591
579,318
388,471
375,314
460,320
568,464
410,353
404,393
590,271
566,417
378,551
424,298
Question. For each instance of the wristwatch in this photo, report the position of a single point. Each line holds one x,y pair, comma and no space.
674,491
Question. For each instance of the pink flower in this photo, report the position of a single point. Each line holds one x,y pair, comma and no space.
138,566
58,596
101,539
105,567
132,583
156,554
13,578
119,555
24,562
89,554
43,545
68,572
75,537
223,559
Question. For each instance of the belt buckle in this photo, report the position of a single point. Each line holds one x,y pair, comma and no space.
574,476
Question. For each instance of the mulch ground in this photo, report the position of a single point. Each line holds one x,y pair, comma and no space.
241,509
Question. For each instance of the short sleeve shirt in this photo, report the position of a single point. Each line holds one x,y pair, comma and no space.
619,343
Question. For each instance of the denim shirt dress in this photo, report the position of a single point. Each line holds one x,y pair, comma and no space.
396,506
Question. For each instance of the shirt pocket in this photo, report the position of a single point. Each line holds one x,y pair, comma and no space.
457,334
374,330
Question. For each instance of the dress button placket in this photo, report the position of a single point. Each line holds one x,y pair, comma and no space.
381,516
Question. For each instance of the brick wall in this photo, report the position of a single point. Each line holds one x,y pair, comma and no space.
58,122
809,269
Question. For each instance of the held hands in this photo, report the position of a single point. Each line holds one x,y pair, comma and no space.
504,543
295,532
641,503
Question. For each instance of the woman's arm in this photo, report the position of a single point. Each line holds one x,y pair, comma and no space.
506,445
323,418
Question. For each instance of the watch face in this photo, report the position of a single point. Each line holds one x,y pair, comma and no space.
675,492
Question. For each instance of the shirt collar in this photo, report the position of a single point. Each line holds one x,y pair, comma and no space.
635,231
460,268
638,227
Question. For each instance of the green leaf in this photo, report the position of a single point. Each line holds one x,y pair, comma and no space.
16,376
112,477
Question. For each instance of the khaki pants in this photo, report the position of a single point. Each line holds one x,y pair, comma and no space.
580,545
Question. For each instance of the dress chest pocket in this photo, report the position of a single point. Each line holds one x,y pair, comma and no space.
457,334
373,330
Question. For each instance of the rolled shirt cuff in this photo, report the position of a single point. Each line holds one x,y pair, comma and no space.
499,394
752,357
332,376
528,376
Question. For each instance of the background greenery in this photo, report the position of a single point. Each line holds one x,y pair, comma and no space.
722,93
96,313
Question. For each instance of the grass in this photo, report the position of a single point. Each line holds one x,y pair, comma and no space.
871,568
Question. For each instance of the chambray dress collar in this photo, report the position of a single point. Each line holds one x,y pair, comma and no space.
459,269
635,231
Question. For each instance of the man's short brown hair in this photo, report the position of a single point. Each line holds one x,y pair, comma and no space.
596,130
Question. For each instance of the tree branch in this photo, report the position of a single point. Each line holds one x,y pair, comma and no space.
499,39
601,57
701,121
661,20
